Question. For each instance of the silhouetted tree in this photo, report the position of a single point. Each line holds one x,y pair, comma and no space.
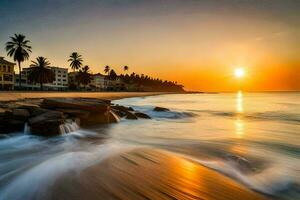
40,72
75,61
147,83
125,68
112,75
106,69
19,49
84,76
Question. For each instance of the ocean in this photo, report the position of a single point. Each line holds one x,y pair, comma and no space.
252,138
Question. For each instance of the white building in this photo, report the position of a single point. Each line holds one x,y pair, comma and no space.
116,85
61,77
99,82
60,82
7,74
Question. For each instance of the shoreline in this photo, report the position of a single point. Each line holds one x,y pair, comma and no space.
166,176
13,96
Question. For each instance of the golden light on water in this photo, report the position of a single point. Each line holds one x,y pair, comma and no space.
239,123
239,128
239,102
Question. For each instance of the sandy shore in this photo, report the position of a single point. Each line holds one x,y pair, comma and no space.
9,96
148,174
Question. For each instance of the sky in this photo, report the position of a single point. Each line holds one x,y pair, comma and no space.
197,43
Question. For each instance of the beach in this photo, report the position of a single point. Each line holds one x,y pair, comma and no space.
13,95
147,173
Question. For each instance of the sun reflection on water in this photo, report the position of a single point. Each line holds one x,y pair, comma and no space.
239,102
239,127
239,123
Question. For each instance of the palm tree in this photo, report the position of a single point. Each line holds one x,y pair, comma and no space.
125,68
40,72
112,75
84,77
75,61
106,69
19,49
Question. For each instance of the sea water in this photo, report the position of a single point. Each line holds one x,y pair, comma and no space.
253,138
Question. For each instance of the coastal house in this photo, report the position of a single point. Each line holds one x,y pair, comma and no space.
7,74
99,82
116,85
60,82
74,84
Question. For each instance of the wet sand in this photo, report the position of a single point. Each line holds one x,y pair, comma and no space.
147,174
10,96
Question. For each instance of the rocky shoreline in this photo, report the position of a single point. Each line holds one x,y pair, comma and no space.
56,116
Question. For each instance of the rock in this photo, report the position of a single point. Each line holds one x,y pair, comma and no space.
10,123
106,101
120,108
49,115
123,111
35,111
112,117
81,114
21,114
2,112
32,101
46,124
142,115
100,118
13,125
26,105
119,113
131,115
161,109
92,105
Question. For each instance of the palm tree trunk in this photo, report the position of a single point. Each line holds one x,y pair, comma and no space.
41,86
20,76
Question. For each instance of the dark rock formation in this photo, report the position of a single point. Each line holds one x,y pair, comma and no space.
160,109
142,115
131,115
112,117
12,120
123,111
21,114
119,113
99,118
53,116
74,113
92,105
46,124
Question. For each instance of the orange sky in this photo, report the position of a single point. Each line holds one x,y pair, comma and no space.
197,43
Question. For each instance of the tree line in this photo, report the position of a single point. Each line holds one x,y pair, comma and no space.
19,49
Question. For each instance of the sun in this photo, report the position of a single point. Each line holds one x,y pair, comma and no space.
239,72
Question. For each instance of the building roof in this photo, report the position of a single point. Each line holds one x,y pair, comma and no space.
62,68
5,62
50,67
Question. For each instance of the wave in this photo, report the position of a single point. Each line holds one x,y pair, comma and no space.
172,114
272,181
47,169
270,175
271,115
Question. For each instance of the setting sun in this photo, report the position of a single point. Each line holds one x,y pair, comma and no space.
239,72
